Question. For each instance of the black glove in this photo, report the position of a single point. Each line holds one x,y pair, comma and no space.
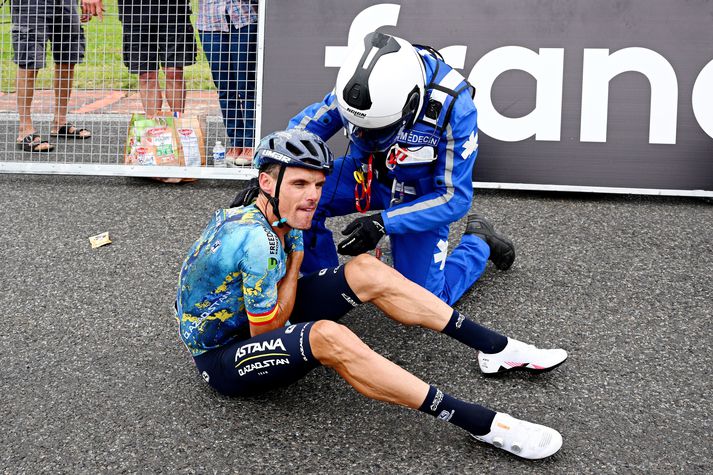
247,195
362,235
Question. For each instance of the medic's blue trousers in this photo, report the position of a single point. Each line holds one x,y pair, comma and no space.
420,257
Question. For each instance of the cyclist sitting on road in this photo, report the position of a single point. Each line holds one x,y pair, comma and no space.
252,324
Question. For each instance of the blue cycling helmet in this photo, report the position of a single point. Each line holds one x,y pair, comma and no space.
293,148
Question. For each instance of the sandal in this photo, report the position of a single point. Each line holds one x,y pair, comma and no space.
29,144
69,131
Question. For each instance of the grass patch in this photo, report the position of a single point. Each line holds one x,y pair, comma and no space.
103,67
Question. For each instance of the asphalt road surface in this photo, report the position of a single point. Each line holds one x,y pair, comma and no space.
94,378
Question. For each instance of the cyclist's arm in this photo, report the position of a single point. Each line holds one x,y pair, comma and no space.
286,291
258,264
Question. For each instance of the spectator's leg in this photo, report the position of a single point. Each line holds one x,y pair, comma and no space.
150,91
140,52
237,79
216,46
25,84
29,37
175,89
68,47
247,63
176,47
63,79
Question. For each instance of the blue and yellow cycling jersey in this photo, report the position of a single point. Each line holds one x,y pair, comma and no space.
229,279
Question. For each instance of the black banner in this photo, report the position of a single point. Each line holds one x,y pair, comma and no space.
584,93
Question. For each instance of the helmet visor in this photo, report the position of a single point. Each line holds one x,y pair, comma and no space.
374,140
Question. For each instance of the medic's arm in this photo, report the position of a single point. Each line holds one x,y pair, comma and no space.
321,118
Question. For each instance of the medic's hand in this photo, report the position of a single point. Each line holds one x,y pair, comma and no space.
248,195
362,235
294,241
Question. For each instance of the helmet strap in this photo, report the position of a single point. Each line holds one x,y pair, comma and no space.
275,200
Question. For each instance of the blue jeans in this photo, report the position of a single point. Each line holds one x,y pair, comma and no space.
233,60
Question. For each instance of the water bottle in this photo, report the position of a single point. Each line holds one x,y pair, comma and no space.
383,251
219,155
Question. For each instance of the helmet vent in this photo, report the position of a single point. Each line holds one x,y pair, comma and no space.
312,161
292,148
323,149
308,145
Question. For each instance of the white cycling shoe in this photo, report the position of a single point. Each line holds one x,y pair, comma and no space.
519,355
522,438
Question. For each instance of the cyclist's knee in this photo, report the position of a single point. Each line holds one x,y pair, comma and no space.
333,343
368,277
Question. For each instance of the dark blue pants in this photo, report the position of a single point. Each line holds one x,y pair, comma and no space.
233,61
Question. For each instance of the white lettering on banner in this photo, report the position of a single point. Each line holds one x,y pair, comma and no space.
600,67
547,67
368,20
701,98
454,55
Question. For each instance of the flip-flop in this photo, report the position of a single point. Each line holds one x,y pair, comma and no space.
28,144
66,132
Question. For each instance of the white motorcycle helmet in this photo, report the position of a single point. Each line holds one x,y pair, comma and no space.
380,90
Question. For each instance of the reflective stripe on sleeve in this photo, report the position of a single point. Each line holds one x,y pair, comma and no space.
320,112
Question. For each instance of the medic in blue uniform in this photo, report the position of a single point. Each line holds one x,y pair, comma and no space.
412,128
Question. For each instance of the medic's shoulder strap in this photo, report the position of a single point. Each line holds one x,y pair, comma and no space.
445,86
